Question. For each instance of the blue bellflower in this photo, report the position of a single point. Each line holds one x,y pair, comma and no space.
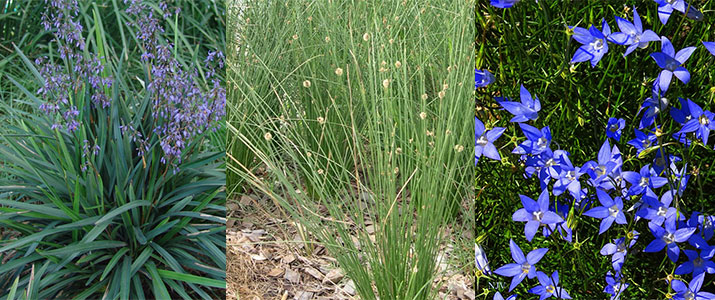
652,105
671,63
594,43
692,290
615,286
504,3
526,110
666,7
659,211
481,260
645,179
609,160
636,37
535,214
482,78
498,296
537,140
611,209
614,128
523,266
484,144
668,238
568,179
549,287
618,250
697,263
643,141
700,122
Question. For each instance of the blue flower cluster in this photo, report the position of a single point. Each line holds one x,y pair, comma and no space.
182,109
602,189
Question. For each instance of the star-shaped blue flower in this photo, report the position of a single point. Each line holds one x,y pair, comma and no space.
568,178
618,250
665,8
526,110
504,3
668,238
643,140
615,286
611,209
646,178
671,63
636,37
523,266
482,78
535,214
701,122
481,260
549,287
697,263
484,144
653,105
594,43
692,290
614,128
537,140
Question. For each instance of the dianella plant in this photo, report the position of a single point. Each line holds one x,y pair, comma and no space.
109,189
349,115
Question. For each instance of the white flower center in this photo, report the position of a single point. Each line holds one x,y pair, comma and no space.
525,267
672,65
644,181
613,210
597,44
537,215
646,143
482,141
661,211
542,142
600,170
669,238
571,175
550,289
703,120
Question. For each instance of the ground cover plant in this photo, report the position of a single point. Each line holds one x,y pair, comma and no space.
594,162
111,183
349,117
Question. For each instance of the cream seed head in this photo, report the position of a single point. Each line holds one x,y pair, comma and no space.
327,39
458,148
386,83
339,71
306,84
321,120
398,64
268,136
366,37
295,36
391,41
424,96
320,171
423,115
441,94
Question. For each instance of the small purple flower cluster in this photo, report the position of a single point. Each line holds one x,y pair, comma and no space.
62,86
179,106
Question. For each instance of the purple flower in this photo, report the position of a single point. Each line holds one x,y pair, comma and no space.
653,105
610,210
484,144
692,290
482,78
614,128
523,266
594,43
643,140
683,114
549,287
710,46
671,63
636,37
535,214
526,110
668,237
697,263
701,122
537,140
659,211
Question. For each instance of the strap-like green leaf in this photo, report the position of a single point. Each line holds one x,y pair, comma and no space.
83,247
193,279
113,262
121,209
160,291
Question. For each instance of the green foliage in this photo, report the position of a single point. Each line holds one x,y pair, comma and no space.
128,226
528,44
328,96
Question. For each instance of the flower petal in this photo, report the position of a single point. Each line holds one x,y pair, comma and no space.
535,256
